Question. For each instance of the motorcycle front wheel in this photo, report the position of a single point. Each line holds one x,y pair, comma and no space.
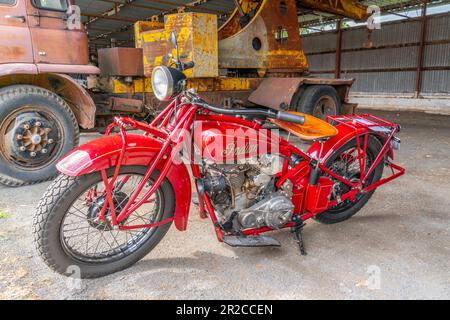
71,239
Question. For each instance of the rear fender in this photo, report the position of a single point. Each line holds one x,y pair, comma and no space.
102,153
345,133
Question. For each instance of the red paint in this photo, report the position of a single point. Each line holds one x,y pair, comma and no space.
162,140
103,153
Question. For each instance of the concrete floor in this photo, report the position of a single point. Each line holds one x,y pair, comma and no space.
402,235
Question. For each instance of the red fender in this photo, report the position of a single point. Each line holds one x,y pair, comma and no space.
102,153
345,133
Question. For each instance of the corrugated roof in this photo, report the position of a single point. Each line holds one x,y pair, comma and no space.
106,19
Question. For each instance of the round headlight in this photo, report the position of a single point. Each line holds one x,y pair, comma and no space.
162,83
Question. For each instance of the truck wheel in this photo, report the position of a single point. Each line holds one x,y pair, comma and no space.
319,101
37,127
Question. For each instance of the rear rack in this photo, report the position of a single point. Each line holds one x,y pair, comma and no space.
365,121
360,124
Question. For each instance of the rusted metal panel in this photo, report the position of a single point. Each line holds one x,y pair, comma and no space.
125,104
197,41
53,41
76,96
273,92
15,38
67,68
121,61
233,25
144,26
17,68
347,8
269,41
154,45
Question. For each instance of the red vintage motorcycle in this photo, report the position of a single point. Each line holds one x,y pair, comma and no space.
117,196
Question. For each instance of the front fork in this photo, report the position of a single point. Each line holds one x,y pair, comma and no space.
166,155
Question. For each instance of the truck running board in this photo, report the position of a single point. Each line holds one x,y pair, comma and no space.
251,241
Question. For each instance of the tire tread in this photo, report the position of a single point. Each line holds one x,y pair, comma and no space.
12,92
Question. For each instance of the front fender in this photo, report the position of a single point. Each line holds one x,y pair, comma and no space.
345,133
102,153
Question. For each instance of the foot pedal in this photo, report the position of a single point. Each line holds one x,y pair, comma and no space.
251,241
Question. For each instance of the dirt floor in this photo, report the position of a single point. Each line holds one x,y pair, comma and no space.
397,247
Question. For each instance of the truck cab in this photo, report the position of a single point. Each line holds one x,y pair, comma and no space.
42,52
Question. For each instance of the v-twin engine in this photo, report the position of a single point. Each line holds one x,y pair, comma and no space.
274,211
244,195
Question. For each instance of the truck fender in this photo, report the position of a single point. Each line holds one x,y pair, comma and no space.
102,153
79,100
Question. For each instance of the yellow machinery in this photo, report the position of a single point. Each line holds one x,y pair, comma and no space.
256,56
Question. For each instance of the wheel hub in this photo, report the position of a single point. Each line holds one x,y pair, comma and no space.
33,138
120,199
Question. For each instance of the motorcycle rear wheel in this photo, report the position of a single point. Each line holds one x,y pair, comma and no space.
72,257
347,209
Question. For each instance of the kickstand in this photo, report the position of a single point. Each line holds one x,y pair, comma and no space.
297,229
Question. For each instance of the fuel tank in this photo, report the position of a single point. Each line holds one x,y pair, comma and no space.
229,140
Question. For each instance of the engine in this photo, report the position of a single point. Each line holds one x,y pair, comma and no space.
244,195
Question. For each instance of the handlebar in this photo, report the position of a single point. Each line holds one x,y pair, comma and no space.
188,65
265,112
289,117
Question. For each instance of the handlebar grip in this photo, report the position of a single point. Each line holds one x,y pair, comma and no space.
188,65
289,117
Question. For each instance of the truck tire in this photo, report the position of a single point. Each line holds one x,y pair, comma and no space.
319,101
37,127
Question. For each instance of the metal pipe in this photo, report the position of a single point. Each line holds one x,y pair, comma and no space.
423,35
337,71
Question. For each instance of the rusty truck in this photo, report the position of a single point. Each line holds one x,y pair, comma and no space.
50,91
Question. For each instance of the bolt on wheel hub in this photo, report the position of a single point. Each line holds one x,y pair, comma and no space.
33,138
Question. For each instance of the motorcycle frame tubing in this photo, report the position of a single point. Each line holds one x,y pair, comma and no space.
178,117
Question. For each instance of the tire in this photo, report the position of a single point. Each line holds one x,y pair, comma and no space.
26,105
334,216
50,214
318,100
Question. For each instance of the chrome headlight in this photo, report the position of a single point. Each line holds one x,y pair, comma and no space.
162,83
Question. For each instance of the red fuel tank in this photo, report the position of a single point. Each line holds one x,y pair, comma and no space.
231,140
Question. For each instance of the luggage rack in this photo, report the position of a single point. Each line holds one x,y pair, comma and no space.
367,121
363,122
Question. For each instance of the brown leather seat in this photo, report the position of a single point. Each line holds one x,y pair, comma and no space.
313,128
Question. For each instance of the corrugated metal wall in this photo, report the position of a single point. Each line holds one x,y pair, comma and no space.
389,67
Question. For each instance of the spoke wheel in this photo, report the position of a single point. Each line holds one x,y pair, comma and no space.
89,239
68,231
345,163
